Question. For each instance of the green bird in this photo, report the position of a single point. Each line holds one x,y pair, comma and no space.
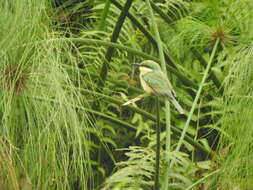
154,81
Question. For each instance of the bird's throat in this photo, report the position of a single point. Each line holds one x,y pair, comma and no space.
145,70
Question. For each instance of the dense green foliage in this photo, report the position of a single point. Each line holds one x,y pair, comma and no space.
66,69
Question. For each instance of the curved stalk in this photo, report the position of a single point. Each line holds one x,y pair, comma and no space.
168,147
158,131
180,142
203,62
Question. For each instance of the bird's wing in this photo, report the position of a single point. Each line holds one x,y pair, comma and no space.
159,82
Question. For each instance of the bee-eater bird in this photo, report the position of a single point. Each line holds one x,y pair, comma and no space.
154,81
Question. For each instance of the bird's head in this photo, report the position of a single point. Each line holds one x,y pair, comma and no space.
148,66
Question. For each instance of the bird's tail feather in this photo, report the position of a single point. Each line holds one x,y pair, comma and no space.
177,105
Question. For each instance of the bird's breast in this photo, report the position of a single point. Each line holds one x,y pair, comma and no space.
145,86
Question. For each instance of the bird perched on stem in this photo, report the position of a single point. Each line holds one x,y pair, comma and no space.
155,82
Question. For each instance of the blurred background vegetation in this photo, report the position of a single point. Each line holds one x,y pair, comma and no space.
66,68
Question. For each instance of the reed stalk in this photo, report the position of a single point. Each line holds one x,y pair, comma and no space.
167,103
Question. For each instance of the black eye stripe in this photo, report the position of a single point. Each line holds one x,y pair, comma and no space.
147,66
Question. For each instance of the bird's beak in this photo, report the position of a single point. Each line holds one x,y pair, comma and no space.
137,64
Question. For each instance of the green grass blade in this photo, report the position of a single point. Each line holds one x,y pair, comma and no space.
180,142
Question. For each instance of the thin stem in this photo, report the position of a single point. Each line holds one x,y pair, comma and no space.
168,146
203,62
167,103
158,131
196,98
